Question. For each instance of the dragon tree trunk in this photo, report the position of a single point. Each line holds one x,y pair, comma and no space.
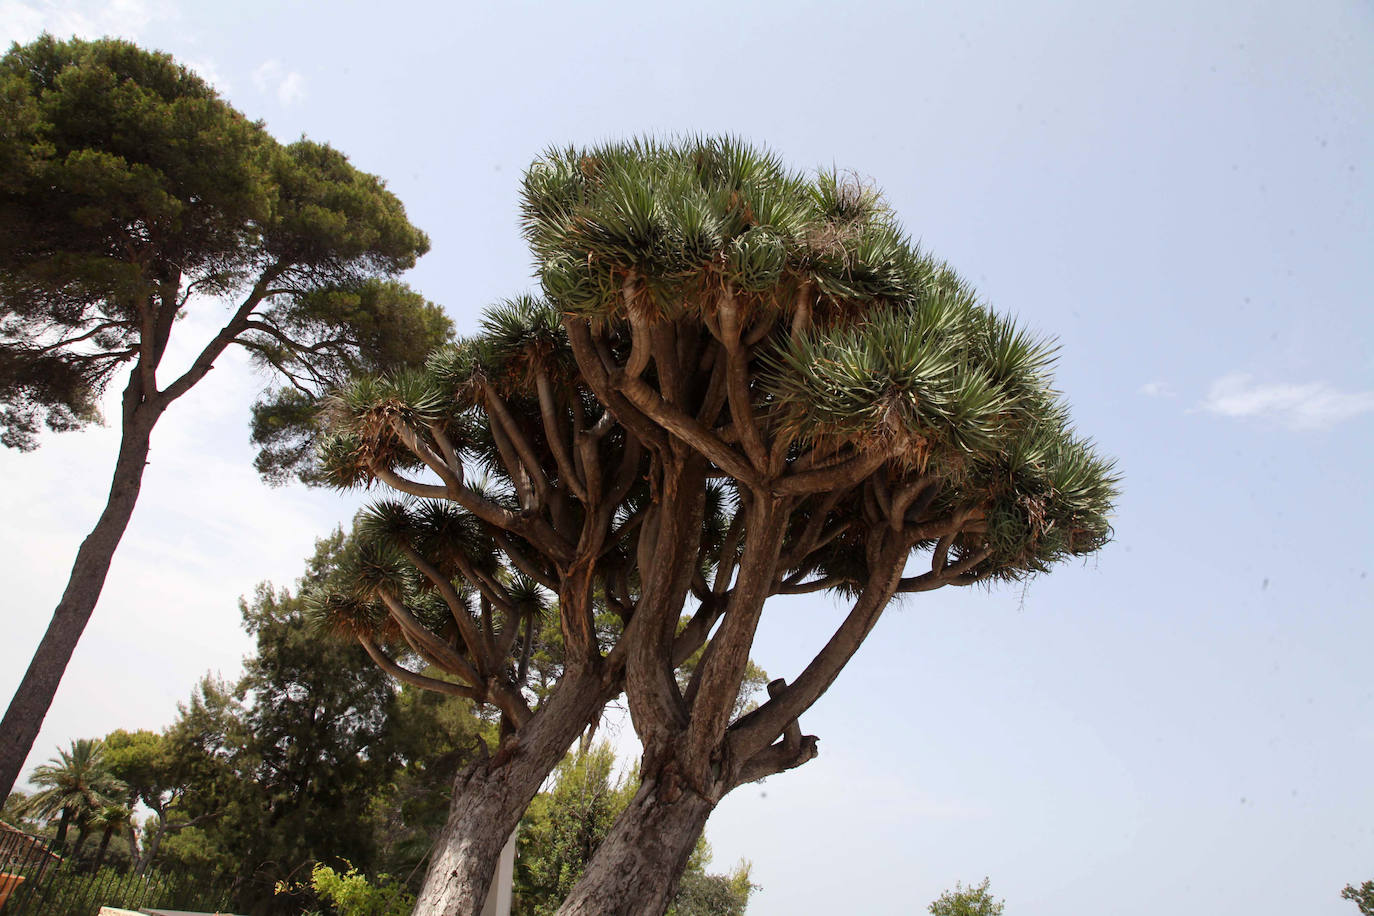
636,869
490,797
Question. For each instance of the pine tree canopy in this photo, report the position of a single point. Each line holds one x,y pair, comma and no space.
130,193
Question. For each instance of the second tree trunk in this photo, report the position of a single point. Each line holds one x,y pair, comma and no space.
635,871
489,801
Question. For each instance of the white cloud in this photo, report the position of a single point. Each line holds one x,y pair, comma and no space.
206,70
1157,389
1314,405
20,22
287,85
292,89
267,75
23,20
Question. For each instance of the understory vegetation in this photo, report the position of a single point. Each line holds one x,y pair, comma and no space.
314,784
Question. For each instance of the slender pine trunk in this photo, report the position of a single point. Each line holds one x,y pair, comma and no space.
150,851
24,717
490,798
635,871
133,845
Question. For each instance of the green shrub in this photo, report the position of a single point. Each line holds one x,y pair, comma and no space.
349,893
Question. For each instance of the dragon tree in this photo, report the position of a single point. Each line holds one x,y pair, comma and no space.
742,382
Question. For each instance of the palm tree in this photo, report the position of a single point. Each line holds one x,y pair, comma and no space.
109,820
74,786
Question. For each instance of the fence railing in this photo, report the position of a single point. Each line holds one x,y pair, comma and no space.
41,884
24,859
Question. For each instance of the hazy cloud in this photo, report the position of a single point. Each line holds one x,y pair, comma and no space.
206,70
1313,405
19,21
287,85
23,20
1157,390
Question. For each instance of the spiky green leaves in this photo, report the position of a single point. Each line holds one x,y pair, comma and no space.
425,562
521,339
347,602
362,424
353,603
680,222
756,259
521,356
951,391
910,381
340,612
1052,497
374,568
524,338
462,368
446,536
677,217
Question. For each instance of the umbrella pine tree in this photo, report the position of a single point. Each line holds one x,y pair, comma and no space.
130,195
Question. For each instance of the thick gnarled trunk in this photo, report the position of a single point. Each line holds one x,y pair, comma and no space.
465,855
31,702
636,869
490,798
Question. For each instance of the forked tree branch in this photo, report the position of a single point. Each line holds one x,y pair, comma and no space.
737,381
756,730
533,469
205,361
789,752
554,432
458,610
690,431
439,652
597,376
721,671
401,673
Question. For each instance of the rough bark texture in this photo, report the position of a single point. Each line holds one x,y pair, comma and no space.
31,702
636,869
490,798
466,853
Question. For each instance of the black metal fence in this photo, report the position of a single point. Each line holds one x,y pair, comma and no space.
41,884
24,860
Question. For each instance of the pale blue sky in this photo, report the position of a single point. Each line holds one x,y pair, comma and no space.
1180,192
